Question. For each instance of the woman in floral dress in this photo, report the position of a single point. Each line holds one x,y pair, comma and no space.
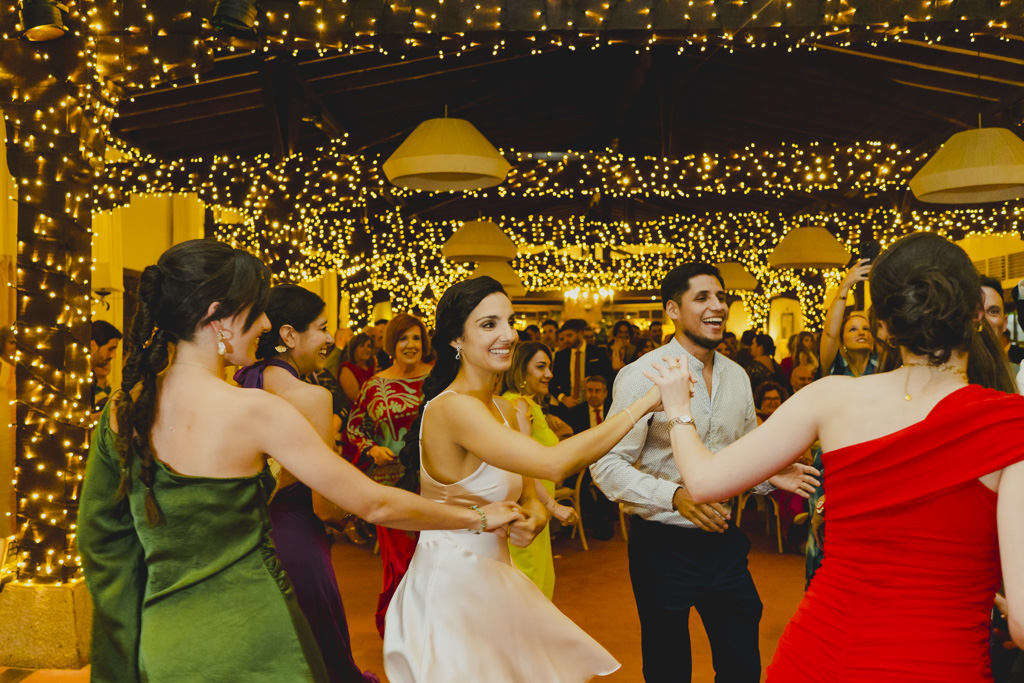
377,427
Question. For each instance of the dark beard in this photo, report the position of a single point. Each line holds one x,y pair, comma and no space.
709,344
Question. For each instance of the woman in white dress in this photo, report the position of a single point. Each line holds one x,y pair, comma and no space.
463,612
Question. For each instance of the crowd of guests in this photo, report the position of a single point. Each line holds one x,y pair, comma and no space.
374,385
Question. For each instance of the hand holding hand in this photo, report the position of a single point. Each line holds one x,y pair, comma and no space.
521,533
381,455
798,478
501,514
706,516
675,383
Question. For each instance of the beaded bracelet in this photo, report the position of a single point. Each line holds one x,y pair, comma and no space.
483,519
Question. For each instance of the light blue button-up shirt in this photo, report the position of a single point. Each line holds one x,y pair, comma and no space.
640,471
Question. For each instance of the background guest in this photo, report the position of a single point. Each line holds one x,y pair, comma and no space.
801,377
598,511
847,344
743,356
378,426
644,345
102,348
802,351
534,332
768,396
549,335
620,348
576,361
655,331
381,358
525,386
358,366
296,345
762,366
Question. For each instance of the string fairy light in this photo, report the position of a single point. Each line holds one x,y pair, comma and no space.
326,209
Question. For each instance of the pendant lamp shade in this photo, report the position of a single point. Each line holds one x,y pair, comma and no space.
446,155
810,247
736,277
973,166
478,241
503,273
43,19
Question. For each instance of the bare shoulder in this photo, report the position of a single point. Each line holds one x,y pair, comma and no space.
311,399
456,405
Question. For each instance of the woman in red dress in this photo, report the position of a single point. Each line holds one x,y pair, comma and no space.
378,427
925,484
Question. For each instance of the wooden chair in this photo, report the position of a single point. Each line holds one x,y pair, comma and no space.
623,522
772,507
572,497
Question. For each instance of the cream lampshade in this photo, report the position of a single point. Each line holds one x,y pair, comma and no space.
809,247
503,273
478,241
736,277
973,166
446,155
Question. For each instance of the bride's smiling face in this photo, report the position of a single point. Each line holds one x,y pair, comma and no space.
488,336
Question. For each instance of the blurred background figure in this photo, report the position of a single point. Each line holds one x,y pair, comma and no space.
102,348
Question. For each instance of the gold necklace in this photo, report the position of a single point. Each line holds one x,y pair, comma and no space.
925,364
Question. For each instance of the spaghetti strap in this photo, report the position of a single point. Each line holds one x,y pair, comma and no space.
423,413
419,436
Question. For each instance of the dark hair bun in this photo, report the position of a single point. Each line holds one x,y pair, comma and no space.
930,315
928,294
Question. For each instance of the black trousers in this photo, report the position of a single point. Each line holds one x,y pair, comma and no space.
674,569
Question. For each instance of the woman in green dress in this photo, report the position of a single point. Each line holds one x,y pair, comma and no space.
525,386
173,527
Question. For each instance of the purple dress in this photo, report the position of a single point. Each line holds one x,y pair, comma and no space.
301,546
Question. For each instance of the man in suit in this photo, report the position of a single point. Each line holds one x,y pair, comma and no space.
594,410
574,363
597,511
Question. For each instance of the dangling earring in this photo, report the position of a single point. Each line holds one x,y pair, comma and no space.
458,353
221,346
280,348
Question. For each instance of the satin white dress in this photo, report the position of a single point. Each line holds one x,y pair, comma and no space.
464,612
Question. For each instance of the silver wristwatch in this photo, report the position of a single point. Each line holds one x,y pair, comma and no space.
681,420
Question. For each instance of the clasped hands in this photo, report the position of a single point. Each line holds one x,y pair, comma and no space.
677,386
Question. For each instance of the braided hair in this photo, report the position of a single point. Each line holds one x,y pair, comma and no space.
457,302
174,297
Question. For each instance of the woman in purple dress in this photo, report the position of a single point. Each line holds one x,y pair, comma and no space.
296,346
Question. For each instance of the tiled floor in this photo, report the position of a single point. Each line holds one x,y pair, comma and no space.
592,588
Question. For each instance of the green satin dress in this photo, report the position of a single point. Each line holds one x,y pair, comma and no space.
535,560
200,596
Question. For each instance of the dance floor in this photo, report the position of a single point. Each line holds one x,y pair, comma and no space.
592,588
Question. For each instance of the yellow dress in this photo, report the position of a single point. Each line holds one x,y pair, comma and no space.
535,560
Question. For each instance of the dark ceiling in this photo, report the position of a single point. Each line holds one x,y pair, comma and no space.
657,102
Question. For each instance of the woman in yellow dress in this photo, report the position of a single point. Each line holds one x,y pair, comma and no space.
525,386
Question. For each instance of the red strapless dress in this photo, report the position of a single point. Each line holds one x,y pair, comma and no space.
911,552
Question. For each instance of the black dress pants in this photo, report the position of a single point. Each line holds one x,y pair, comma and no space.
673,569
